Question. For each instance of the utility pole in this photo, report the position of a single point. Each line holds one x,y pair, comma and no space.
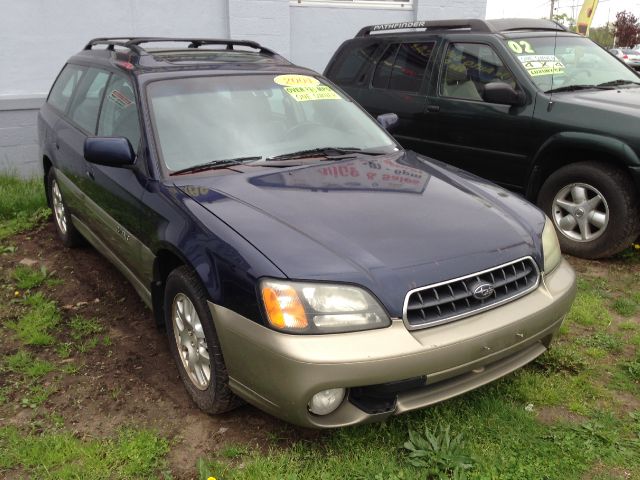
551,11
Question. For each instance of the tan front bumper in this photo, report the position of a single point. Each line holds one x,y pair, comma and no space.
279,373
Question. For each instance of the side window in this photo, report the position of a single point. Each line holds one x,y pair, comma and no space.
353,65
86,104
382,74
64,87
468,67
410,66
119,113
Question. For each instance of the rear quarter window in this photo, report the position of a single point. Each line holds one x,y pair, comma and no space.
353,63
64,86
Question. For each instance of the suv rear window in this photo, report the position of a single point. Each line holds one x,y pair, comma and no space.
65,85
403,66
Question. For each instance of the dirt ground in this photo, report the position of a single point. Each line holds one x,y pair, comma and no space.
132,381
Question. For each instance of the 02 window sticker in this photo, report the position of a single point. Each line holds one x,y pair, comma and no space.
521,46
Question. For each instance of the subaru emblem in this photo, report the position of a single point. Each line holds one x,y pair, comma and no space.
482,290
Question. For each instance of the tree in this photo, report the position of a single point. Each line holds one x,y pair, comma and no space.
565,20
627,29
603,36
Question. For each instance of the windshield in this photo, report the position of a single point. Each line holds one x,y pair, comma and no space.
216,118
566,61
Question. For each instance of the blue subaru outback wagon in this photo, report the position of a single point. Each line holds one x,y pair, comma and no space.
298,257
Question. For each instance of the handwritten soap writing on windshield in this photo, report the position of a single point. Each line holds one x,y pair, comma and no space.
538,65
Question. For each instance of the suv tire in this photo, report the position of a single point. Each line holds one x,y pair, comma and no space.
192,338
68,234
594,207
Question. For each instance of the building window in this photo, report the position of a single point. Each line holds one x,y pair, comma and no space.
357,3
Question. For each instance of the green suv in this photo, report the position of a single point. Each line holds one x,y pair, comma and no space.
522,102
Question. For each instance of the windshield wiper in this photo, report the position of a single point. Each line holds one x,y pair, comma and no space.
327,152
616,83
215,164
572,88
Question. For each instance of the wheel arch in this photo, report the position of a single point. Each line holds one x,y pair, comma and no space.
167,259
573,147
46,166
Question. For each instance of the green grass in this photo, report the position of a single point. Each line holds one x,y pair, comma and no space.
81,328
27,278
23,205
589,308
132,454
24,363
625,306
499,439
35,327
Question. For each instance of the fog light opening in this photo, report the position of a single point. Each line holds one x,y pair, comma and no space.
326,401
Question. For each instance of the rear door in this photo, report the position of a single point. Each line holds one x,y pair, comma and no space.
79,96
398,85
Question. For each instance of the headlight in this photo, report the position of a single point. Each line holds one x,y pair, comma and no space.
301,307
550,247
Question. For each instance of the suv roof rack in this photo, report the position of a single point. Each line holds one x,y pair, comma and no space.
133,43
471,24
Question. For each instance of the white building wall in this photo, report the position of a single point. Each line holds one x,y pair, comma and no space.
38,36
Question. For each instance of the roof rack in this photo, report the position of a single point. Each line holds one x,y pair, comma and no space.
133,43
472,24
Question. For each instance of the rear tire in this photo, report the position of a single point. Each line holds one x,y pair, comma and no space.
68,234
594,208
194,343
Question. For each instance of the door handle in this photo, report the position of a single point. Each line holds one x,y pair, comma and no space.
57,145
433,108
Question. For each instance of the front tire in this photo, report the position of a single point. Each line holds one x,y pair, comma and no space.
594,208
68,234
194,344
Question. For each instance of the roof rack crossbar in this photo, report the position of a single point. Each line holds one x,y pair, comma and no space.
133,43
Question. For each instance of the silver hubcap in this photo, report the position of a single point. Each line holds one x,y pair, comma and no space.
190,340
58,207
580,212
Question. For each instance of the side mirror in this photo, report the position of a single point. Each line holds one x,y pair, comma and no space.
388,121
503,93
109,151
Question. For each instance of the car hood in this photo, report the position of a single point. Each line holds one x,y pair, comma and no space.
389,223
618,99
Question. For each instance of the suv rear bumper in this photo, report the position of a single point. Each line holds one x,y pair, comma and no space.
279,373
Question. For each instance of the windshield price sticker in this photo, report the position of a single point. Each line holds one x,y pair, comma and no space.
296,80
539,65
310,93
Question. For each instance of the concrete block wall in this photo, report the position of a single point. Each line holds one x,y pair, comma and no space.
38,36
18,139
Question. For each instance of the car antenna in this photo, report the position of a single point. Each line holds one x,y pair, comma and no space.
553,71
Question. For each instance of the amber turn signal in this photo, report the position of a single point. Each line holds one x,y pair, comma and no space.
283,307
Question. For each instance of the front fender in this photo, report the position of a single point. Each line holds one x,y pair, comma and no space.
543,161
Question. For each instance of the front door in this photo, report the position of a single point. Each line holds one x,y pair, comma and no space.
491,140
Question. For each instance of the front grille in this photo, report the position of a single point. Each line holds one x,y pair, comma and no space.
444,302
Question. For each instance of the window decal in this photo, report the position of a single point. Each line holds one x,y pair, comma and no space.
296,80
521,47
310,93
120,99
539,65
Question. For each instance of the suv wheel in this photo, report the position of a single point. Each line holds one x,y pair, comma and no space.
594,208
194,343
66,231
